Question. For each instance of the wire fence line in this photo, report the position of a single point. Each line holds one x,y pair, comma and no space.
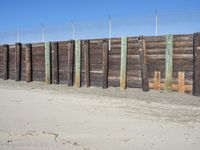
157,24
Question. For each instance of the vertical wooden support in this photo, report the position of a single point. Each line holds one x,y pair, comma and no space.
157,80
55,72
143,63
86,63
123,67
47,63
28,60
78,63
17,61
196,64
105,64
70,63
169,63
181,82
5,61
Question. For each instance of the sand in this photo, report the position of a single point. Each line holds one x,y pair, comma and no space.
35,116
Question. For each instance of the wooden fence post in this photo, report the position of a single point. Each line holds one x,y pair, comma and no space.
28,60
78,63
86,48
70,63
105,64
143,63
17,61
169,63
5,61
47,62
123,65
196,64
55,72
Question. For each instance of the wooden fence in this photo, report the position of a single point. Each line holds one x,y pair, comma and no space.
170,62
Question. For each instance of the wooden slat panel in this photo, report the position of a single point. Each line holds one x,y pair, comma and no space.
86,48
55,62
63,51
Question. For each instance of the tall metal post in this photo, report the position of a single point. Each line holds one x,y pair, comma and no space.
110,33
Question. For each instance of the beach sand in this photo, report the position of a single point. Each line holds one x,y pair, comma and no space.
36,116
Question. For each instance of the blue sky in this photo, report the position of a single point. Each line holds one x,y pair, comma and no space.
28,13
32,13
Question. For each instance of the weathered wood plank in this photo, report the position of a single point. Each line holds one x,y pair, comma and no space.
17,61
181,82
55,62
105,64
86,48
28,60
123,65
5,61
70,63
143,63
188,88
78,63
47,62
157,77
196,64
169,63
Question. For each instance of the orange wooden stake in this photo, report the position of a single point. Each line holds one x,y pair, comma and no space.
156,85
181,82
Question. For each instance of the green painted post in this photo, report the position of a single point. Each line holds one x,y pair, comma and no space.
169,63
123,67
47,63
78,63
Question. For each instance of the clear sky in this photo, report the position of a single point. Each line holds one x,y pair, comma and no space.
32,13
27,13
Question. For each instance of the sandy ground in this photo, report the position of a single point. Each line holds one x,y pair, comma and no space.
36,116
